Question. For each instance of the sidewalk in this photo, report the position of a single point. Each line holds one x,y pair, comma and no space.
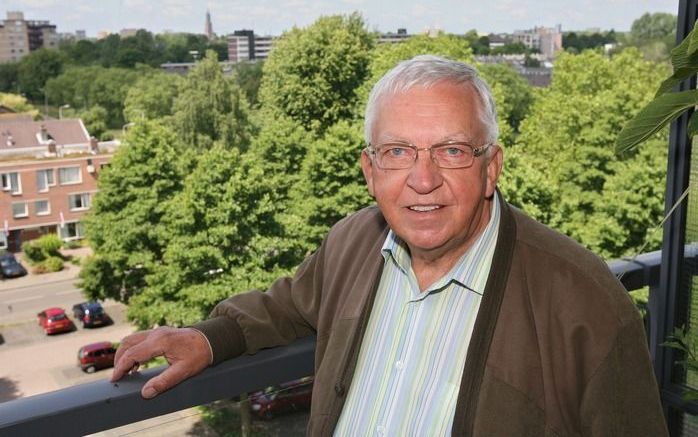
70,271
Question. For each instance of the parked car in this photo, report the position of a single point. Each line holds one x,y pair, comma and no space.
291,396
10,267
54,320
95,356
91,314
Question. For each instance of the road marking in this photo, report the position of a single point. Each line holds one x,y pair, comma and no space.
61,293
26,299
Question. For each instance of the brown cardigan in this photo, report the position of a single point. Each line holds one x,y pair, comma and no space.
558,348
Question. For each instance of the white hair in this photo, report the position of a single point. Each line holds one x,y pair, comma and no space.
426,71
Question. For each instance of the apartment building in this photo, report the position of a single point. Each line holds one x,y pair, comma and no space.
48,177
547,40
19,37
244,45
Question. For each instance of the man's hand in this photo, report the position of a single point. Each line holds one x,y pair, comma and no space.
185,349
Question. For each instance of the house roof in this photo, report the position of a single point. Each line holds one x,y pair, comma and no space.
18,134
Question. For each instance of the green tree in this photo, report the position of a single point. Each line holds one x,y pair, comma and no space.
249,77
84,87
563,169
124,225
516,92
9,80
211,108
152,96
95,120
654,34
37,68
18,104
217,227
312,74
331,185
653,26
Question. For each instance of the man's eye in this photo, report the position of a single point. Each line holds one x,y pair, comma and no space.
397,152
454,151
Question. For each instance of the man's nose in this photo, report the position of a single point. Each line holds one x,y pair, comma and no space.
425,175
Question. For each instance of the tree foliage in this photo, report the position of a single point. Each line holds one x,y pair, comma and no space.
211,108
151,97
18,104
36,69
563,169
85,87
123,226
312,74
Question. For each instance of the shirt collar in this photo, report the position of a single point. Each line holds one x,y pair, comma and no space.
478,256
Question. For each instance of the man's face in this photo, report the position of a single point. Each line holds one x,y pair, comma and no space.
437,212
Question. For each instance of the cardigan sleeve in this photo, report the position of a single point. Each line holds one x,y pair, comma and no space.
622,398
248,322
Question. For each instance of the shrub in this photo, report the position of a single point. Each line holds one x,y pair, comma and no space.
32,252
75,260
53,264
49,244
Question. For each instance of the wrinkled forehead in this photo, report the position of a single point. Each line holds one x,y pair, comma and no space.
454,110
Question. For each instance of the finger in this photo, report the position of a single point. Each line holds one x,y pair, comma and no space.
134,356
129,341
170,377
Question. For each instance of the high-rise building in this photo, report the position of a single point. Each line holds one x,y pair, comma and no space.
547,40
244,45
208,28
19,37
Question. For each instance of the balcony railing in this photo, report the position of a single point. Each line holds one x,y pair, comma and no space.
102,405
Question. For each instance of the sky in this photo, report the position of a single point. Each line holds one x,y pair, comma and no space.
272,17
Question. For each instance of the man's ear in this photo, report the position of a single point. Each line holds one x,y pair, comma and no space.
367,168
494,169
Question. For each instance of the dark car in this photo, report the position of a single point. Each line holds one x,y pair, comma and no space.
91,314
96,356
10,267
290,396
54,320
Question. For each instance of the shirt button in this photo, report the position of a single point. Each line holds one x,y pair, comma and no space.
399,365
380,430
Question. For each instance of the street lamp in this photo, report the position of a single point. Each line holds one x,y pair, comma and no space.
60,110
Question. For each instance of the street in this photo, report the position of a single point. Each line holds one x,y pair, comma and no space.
23,303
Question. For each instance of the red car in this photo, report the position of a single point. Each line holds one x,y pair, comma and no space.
290,396
54,320
96,356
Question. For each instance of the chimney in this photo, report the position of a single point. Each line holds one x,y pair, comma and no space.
43,134
94,145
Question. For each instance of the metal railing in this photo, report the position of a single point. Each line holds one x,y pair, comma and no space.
101,405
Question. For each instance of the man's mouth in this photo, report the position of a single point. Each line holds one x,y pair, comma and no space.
424,208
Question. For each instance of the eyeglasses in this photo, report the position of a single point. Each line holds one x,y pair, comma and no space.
451,154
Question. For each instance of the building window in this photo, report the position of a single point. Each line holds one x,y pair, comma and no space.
20,210
79,201
3,240
11,182
69,175
72,231
44,179
42,207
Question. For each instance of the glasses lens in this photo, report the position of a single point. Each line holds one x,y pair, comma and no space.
395,156
453,155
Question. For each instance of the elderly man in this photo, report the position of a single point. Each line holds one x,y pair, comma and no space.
443,309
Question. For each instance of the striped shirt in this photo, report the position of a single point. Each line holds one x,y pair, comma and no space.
413,352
